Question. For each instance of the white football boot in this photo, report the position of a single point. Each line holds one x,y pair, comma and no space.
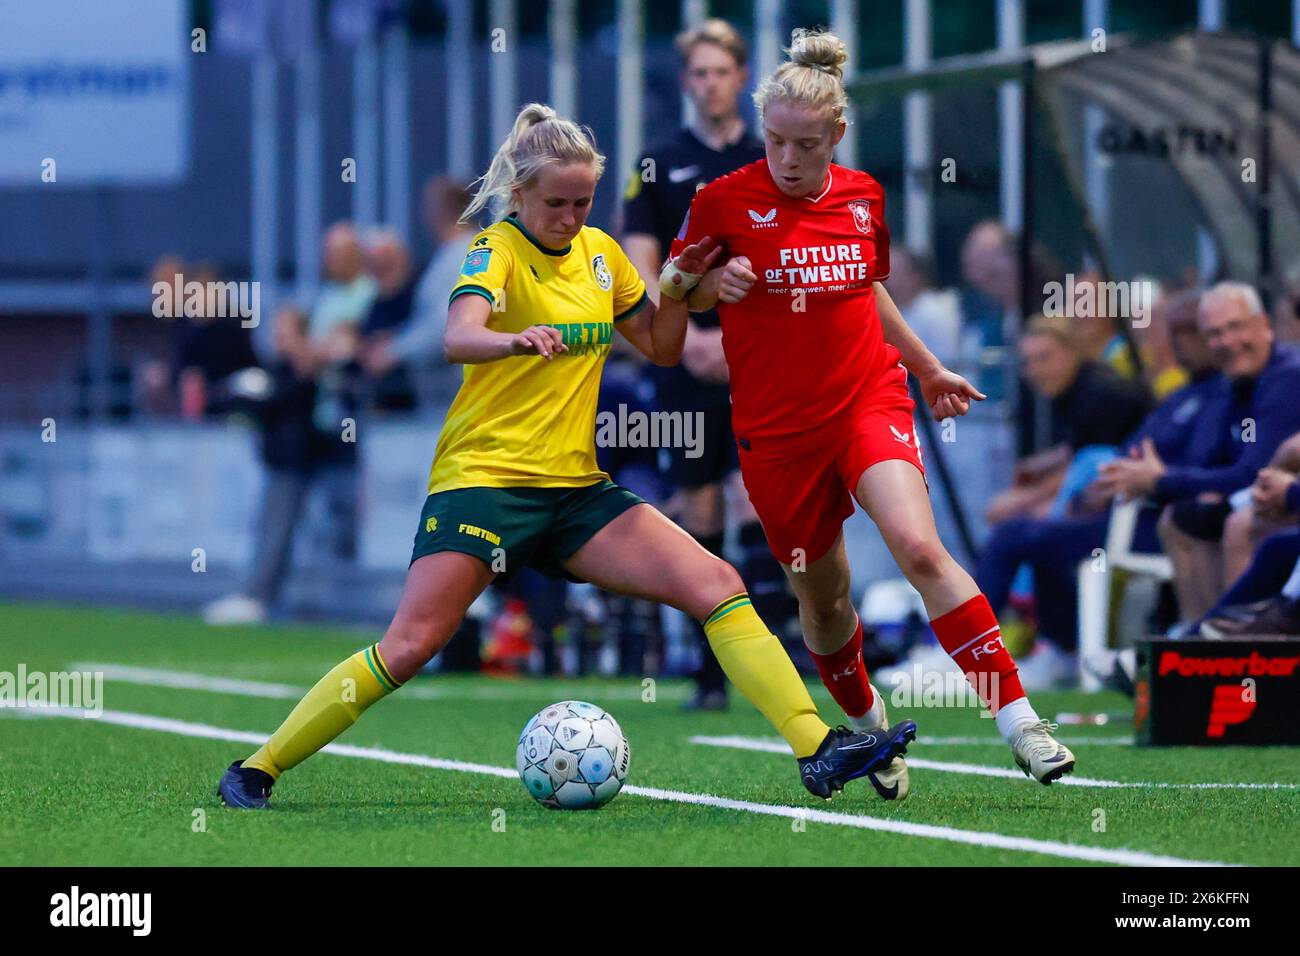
1039,754
892,782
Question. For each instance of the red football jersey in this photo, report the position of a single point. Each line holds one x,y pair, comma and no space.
806,343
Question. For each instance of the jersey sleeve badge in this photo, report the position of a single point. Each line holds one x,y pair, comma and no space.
476,262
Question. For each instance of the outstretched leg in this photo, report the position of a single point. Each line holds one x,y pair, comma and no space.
894,495
439,590
643,554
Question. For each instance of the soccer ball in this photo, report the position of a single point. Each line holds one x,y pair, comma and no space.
572,756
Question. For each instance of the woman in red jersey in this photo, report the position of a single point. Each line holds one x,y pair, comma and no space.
819,357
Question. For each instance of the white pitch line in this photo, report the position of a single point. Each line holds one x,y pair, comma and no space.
999,742
186,680
1069,851
765,745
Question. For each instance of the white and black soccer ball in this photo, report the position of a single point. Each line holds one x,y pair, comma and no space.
572,756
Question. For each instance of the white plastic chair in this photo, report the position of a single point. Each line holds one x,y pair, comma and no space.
1094,584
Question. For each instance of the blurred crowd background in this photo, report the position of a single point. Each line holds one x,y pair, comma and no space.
323,151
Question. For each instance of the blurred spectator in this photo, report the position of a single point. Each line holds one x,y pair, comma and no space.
1099,333
335,330
1263,510
389,263
1266,598
988,264
1154,340
205,348
417,343
1255,410
348,292
993,307
281,400
1091,405
1287,309
1054,546
934,315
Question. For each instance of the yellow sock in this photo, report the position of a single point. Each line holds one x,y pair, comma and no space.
328,709
758,665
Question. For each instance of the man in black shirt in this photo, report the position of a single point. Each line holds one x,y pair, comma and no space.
1091,404
714,73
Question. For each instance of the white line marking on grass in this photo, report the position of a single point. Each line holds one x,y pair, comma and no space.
766,745
1001,841
185,680
182,680
999,742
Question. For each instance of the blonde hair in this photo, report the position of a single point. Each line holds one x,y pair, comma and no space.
812,77
716,31
539,138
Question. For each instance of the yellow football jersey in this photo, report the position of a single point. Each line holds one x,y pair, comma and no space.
522,421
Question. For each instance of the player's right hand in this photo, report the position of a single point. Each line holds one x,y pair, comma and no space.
538,340
737,280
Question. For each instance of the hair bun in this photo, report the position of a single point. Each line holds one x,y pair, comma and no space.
820,50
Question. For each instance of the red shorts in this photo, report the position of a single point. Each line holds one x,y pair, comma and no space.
802,489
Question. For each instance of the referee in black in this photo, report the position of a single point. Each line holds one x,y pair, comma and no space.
714,73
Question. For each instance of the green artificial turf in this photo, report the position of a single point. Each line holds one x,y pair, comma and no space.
78,791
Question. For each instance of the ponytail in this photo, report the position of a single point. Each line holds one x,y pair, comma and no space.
538,138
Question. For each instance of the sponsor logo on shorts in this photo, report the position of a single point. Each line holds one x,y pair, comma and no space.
431,525
483,533
904,437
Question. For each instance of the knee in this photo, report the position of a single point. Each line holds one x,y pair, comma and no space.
922,558
412,640
824,615
714,583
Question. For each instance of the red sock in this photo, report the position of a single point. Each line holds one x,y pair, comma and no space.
971,636
845,675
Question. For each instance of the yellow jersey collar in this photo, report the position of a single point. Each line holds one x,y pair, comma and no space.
514,221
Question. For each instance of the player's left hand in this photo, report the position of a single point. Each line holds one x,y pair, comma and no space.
948,394
698,257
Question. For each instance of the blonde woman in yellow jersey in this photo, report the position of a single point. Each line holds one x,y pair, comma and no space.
514,481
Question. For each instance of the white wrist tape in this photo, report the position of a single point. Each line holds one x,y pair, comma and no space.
675,283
